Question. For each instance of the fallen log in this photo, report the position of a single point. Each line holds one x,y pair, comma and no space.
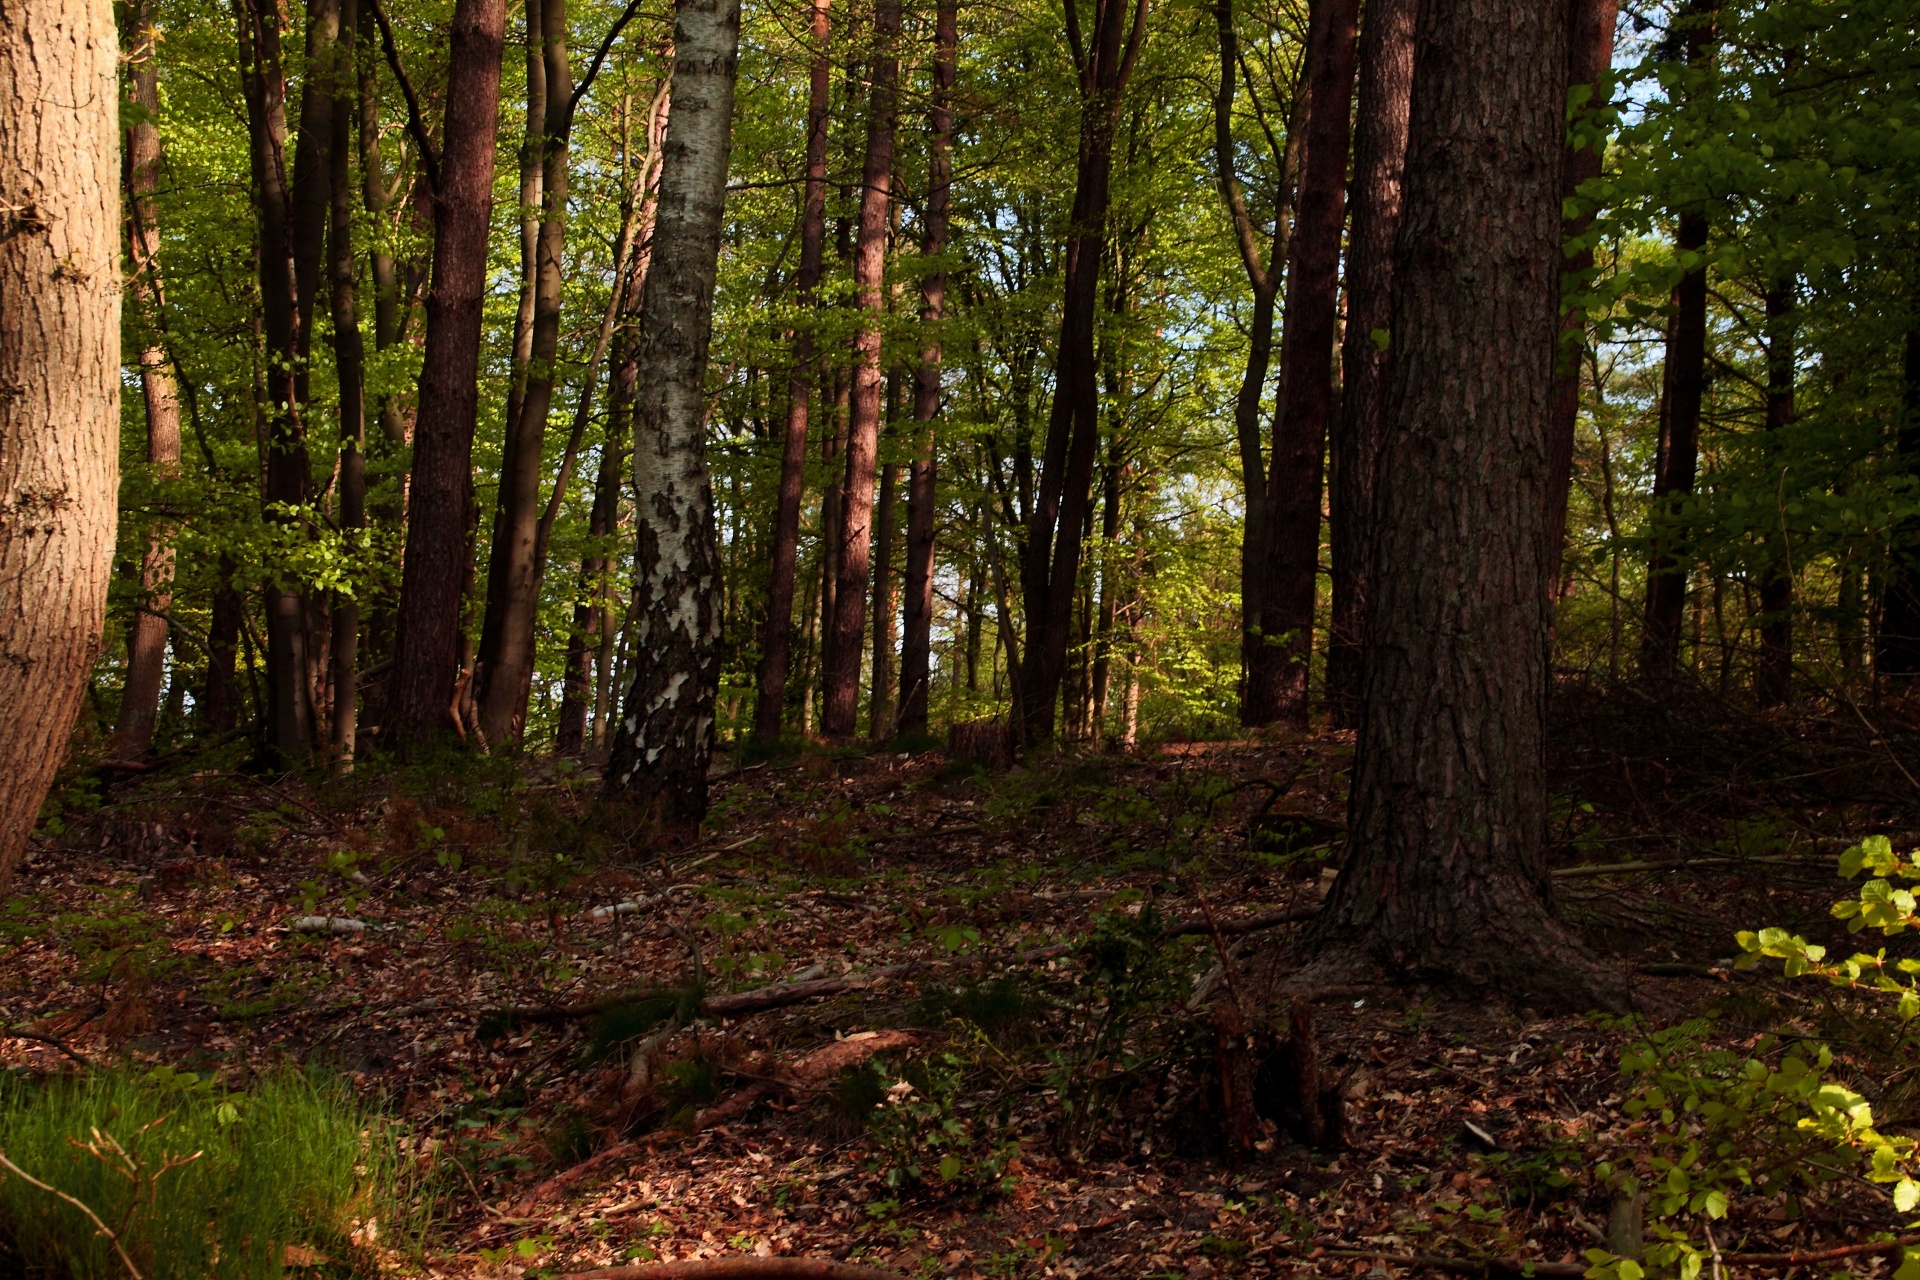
739,1269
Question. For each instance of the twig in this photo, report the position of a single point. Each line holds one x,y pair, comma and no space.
82,1206
55,1041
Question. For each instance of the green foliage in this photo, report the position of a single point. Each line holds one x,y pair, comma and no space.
927,1133
198,1182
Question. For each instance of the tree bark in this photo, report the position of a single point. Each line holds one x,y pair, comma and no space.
1897,646
1379,156
532,170
427,649
1678,456
1773,674
916,643
776,650
147,632
1057,520
350,376
219,701
60,360
880,703
846,634
1276,681
665,736
1446,876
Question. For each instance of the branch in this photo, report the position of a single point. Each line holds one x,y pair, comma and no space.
81,1205
600,55
429,158
739,1269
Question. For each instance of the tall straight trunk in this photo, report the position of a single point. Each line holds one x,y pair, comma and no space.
1276,679
1057,518
1109,590
776,648
532,170
376,197
60,360
846,633
219,700
916,643
1773,675
147,636
1590,56
507,631
287,477
1379,156
1678,458
665,737
1446,876
1897,646
880,704
350,375
427,660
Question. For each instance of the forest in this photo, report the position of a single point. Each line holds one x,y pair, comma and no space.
858,639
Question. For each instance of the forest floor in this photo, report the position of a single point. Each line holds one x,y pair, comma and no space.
1032,1090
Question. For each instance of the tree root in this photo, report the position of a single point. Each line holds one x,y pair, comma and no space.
739,1269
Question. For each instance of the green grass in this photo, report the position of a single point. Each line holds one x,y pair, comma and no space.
197,1182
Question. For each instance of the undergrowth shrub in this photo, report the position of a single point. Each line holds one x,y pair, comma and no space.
197,1182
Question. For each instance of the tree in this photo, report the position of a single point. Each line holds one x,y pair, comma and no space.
60,355
1446,875
439,538
1379,156
349,364
665,735
1773,671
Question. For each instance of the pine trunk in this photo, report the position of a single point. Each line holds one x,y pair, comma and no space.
60,360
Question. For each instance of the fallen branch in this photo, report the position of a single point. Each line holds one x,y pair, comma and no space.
1684,864
1820,1255
81,1205
739,1269
572,1177
1531,1266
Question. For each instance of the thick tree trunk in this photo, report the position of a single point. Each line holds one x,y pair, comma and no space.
1773,674
916,643
147,634
60,358
427,649
1379,155
1677,459
350,375
776,651
665,736
1446,876
1056,521
846,633
1276,680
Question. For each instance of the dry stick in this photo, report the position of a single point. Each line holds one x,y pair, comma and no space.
1468,1266
1684,864
81,1205
739,1269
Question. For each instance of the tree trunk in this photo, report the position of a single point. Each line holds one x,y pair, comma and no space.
1897,646
147,634
1446,876
880,704
665,737
1678,457
532,170
776,651
349,370
1057,518
846,634
219,701
1379,155
1773,675
1276,681
60,359
1590,56
427,649
916,643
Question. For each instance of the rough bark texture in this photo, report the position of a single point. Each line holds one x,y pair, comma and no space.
1276,679
776,651
1677,458
350,376
847,633
60,360
147,632
1057,520
1773,673
427,659
1446,877
880,705
916,643
1379,155
665,735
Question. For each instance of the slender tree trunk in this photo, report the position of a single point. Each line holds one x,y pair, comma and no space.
147,636
1057,519
1773,676
1276,683
1678,458
532,170
916,644
349,370
427,659
665,737
1590,56
1379,155
1109,590
219,701
776,652
847,632
1897,647
60,359
880,705
1446,875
